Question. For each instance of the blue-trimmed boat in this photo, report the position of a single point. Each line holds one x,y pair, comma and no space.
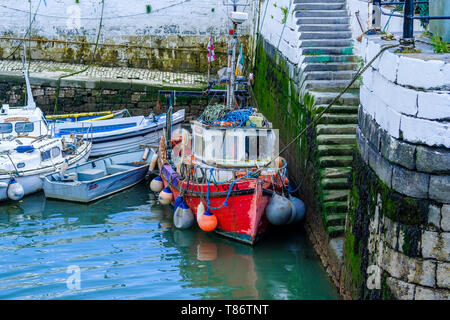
98,178
117,134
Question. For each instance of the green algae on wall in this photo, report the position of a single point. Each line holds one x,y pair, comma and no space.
368,192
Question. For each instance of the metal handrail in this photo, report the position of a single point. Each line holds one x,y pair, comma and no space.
408,17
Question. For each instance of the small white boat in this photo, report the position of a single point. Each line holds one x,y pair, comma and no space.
24,159
98,178
118,134
27,151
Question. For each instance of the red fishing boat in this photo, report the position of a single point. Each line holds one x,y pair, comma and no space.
227,172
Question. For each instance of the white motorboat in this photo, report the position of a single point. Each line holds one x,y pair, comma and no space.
24,159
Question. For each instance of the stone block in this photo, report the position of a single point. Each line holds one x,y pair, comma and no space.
423,293
410,183
401,289
396,151
434,105
440,188
373,135
398,98
419,73
383,169
433,160
436,245
434,217
389,120
443,275
368,101
361,142
408,269
445,217
389,65
431,133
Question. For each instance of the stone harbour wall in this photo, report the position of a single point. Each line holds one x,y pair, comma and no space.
397,234
90,96
160,35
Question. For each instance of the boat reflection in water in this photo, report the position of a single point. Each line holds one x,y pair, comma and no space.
128,248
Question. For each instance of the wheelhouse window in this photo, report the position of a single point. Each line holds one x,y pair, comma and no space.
45,155
24,127
55,151
5,127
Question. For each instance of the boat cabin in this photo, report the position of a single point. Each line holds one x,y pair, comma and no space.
21,121
234,147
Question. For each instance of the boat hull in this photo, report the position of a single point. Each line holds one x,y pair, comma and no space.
88,192
242,219
119,135
131,171
32,182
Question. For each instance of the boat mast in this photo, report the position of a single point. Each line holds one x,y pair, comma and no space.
31,105
232,60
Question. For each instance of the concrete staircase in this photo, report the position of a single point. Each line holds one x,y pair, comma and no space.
328,66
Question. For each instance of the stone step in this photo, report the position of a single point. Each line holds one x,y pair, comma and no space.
335,231
326,85
334,66
321,13
323,20
336,139
322,43
321,97
319,6
335,161
336,172
334,183
335,109
333,207
324,27
335,195
318,58
322,1
325,35
329,75
336,129
329,118
335,150
327,50
335,220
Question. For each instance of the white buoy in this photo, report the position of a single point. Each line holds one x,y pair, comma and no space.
157,184
183,217
279,210
153,162
200,210
15,190
165,196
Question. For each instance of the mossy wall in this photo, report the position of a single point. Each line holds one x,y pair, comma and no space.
170,53
384,228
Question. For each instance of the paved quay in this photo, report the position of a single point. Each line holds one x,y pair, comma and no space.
53,70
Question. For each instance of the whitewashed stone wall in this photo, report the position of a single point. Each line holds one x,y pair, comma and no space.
404,136
59,18
272,29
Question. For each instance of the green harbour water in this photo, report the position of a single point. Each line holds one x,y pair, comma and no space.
126,247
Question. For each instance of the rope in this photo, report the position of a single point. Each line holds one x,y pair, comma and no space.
358,74
87,67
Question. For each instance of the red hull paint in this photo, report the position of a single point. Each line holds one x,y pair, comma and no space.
244,218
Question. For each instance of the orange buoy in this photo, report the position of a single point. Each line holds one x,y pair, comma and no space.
207,221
